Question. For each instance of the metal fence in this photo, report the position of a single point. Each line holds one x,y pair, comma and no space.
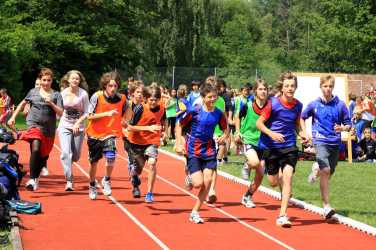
173,76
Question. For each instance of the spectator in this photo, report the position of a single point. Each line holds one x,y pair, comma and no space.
367,147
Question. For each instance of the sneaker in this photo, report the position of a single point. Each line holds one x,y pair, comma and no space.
247,201
149,197
188,183
44,171
136,192
32,184
92,192
283,221
195,218
246,172
106,187
69,186
225,160
212,199
313,175
329,212
219,163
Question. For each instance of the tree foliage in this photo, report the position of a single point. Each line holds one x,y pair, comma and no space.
237,36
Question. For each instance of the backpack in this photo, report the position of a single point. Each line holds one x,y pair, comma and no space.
25,207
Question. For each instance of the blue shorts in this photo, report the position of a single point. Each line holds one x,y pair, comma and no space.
198,164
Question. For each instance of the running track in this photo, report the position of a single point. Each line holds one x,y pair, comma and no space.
71,221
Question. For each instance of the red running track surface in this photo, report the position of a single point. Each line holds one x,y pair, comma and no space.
70,220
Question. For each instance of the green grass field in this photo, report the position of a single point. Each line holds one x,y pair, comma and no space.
352,187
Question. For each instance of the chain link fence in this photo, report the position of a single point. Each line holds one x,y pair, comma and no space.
173,76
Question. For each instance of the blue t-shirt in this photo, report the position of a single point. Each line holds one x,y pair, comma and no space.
192,97
200,143
281,118
325,115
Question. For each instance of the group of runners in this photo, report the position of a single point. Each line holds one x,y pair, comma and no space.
266,127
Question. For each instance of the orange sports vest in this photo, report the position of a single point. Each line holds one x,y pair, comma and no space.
106,126
147,118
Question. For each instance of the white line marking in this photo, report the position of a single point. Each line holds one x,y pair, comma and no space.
122,208
370,230
223,212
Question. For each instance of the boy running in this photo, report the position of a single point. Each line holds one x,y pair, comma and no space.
329,117
278,125
145,129
201,151
106,110
248,134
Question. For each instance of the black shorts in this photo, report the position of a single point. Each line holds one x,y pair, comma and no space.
259,151
139,154
276,159
98,147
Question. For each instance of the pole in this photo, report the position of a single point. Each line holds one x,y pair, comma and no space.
215,72
173,76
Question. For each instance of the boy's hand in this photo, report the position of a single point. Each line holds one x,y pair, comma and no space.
112,112
155,128
11,122
238,139
180,149
277,137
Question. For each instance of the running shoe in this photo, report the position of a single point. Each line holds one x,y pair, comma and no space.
247,201
329,212
32,184
106,187
149,197
246,172
69,186
195,218
92,192
283,221
136,192
188,183
44,171
313,175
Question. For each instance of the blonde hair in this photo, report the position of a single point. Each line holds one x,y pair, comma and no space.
64,80
327,78
182,91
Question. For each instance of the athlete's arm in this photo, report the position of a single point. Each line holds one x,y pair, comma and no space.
20,107
260,124
179,144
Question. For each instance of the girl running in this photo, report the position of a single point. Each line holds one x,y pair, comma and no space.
248,134
71,128
201,151
278,125
45,104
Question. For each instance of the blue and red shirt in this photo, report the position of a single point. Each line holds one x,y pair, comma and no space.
325,115
200,142
281,117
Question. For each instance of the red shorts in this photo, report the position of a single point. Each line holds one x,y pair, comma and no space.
36,134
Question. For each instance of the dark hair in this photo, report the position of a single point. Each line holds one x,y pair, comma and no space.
194,82
206,89
154,91
286,76
352,97
107,77
221,82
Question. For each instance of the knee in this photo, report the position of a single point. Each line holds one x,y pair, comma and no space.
253,163
197,184
325,171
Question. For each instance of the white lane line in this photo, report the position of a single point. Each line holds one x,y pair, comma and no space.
223,212
122,208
